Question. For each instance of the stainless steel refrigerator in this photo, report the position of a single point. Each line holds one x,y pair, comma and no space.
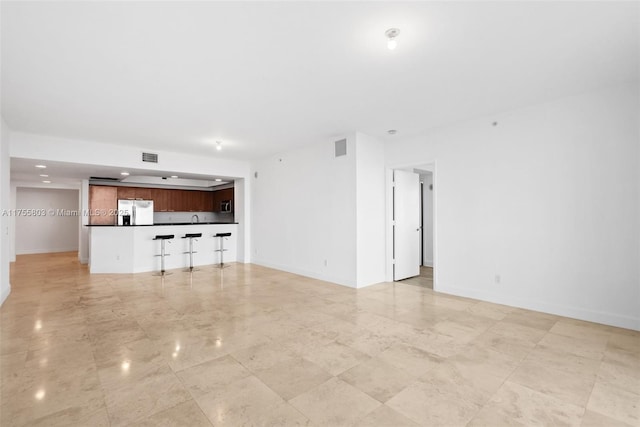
135,212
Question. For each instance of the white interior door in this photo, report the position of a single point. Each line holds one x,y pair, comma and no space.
406,229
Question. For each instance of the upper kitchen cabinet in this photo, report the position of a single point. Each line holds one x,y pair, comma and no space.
144,193
223,200
160,198
126,192
167,200
103,205
205,200
196,201
135,193
175,200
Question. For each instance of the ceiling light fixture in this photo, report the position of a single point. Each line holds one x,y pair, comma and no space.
218,145
174,176
124,173
44,176
41,166
392,131
391,34
47,182
218,180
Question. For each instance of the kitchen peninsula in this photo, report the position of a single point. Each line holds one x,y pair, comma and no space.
118,243
131,249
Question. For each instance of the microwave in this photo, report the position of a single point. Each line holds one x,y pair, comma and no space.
225,206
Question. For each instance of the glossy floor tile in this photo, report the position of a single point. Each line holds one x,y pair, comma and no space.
256,346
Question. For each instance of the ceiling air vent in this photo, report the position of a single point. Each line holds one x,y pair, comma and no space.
150,157
341,147
101,178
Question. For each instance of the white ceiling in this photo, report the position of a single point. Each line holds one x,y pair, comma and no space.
62,173
265,77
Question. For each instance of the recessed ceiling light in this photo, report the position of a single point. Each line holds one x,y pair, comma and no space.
41,166
124,173
174,176
218,145
392,131
44,176
391,34
218,179
47,182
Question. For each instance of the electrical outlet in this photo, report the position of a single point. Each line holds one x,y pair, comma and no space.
497,279
117,257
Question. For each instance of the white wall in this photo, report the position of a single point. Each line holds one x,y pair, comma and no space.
548,199
12,223
323,216
304,213
427,226
370,210
50,232
83,237
5,206
241,215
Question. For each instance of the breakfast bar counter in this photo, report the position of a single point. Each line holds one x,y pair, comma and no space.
131,249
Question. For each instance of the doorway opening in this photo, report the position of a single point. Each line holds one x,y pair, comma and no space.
412,224
51,221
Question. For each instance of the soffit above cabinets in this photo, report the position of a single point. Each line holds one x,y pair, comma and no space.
164,181
24,171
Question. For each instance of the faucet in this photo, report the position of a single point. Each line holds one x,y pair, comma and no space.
197,218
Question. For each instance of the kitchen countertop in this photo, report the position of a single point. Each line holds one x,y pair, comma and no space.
161,223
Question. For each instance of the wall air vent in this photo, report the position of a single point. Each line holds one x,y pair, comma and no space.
341,147
150,157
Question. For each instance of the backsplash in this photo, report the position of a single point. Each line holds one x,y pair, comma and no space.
161,217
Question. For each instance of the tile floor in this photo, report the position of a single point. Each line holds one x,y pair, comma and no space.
255,346
425,279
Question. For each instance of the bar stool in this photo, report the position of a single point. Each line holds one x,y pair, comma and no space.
191,237
222,250
163,238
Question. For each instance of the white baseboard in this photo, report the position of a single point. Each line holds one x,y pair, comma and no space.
302,272
602,317
5,293
428,263
45,251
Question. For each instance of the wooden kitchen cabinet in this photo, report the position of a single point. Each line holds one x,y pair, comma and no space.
222,195
174,200
164,200
196,201
135,193
160,198
188,200
103,205
201,201
126,192
144,193
206,201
